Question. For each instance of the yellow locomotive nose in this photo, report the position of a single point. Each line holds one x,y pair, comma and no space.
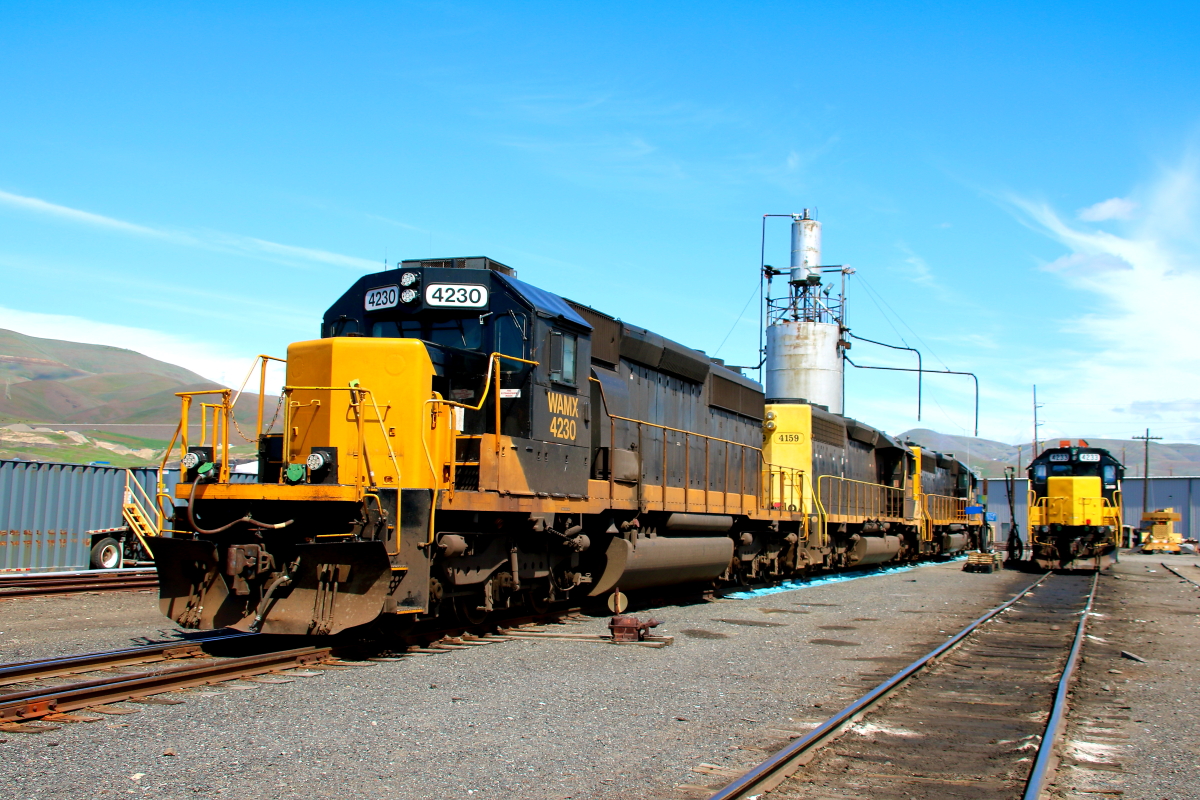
1074,501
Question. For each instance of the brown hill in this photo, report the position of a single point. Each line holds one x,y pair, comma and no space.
991,457
52,381
31,358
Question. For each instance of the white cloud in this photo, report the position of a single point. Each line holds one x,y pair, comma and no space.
918,270
206,359
1083,263
1113,208
1134,320
205,240
75,215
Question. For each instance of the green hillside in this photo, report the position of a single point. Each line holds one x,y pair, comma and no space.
46,380
54,390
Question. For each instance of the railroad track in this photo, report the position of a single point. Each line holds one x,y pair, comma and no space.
975,718
1193,581
42,584
95,687
27,702
48,668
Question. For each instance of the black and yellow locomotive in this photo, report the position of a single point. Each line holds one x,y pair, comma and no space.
1074,506
458,442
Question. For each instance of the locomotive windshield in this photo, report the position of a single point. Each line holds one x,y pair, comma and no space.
1076,462
462,332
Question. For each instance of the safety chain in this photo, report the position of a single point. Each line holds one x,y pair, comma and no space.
274,417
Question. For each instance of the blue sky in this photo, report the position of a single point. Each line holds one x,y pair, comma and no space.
1015,186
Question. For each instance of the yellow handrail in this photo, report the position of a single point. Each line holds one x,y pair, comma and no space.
131,498
493,364
161,487
220,448
356,402
822,516
867,499
766,499
1044,503
944,508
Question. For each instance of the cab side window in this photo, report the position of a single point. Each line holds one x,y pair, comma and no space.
510,336
563,347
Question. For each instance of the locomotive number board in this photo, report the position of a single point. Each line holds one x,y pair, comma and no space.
382,297
456,295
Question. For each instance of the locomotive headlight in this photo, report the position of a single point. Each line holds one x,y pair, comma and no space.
315,461
409,278
408,295
191,461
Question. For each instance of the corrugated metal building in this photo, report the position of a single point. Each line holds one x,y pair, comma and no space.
1179,492
46,510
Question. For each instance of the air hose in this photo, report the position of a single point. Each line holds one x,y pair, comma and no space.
246,519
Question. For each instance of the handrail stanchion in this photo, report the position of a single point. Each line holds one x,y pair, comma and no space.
706,466
612,447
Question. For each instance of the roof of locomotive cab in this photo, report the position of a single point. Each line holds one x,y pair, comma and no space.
1105,455
545,304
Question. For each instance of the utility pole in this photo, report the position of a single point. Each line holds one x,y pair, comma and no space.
1146,470
1036,424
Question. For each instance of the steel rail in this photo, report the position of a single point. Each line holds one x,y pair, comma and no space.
43,584
1041,766
38,669
25,578
782,764
1165,565
36,703
26,574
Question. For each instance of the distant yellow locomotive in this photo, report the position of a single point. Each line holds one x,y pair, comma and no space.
460,442
1075,506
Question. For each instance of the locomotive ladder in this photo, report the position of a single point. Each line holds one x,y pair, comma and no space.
135,514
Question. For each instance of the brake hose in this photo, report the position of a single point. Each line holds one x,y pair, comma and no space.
246,519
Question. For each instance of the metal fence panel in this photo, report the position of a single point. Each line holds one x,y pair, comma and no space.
46,510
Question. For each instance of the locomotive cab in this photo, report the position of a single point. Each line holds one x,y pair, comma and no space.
464,310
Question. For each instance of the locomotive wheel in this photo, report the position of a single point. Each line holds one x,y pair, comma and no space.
469,610
539,598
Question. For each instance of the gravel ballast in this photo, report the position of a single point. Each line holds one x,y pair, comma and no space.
1133,729
530,718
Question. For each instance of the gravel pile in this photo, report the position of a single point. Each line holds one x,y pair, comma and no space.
530,718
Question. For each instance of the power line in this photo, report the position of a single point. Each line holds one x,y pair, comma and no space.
739,319
902,322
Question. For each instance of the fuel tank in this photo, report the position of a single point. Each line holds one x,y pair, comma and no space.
953,542
664,561
875,549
